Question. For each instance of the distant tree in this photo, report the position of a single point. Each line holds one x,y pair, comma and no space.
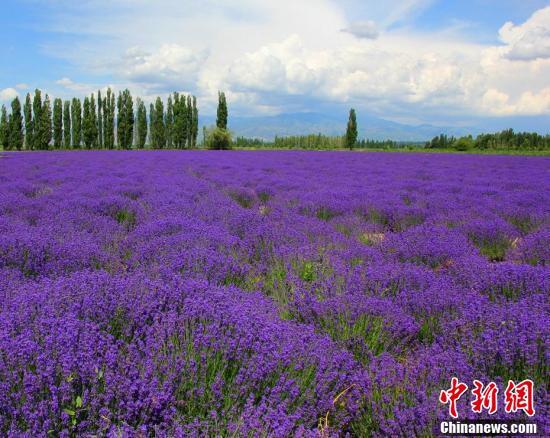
351,133
37,117
219,139
152,117
4,129
94,135
46,124
125,120
57,123
169,123
195,129
67,124
27,111
141,124
100,141
109,120
180,121
76,112
464,143
158,128
86,120
221,118
189,122
16,137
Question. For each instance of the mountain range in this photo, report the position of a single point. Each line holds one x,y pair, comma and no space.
371,127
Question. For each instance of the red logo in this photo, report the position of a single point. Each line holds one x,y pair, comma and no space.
517,397
452,395
520,397
485,397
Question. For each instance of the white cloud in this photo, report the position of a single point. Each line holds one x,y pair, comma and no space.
74,86
169,65
8,94
529,40
363,29
276,54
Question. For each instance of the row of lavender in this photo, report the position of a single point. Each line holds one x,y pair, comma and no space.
267,293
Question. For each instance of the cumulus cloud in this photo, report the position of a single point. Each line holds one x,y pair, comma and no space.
268,57
8,94
74,86
169,64
529,40
363,30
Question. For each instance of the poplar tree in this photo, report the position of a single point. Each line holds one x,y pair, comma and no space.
86,131
109,120
27,111
221,119
125,120
351,133
101,141
15,126
141,124
195,130
151,124
189,122
57,123
46,124
67,124
37,117
93,122
169,123
158,128
76,111
4,129
180,121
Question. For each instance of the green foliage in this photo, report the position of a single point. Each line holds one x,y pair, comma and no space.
504,140
100,140
169,123
195,124
464,143
67,124
76,111
326,214
366,334
221,118
307,272
109,120
37,117
87,133
158,128
125,120
494,249
141,124
46,124
4,129
429,329
180,128
126,218
29,124
219,139
16,137
351,132
189,122
57,123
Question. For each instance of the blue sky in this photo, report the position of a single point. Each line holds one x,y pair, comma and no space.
441,62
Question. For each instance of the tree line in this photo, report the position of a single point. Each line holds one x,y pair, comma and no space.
99,122
503,140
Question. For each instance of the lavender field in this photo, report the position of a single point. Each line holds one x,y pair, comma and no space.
267,293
